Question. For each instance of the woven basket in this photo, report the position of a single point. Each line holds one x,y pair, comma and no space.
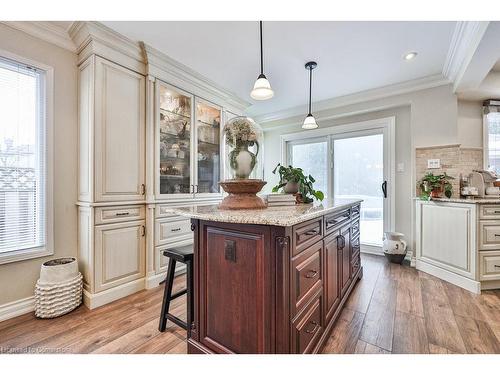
59,288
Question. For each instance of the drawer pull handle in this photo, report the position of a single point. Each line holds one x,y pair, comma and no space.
143,231
175,229
316,327
122,213
312,232
311,274
496,266
496,212
336,221
497,235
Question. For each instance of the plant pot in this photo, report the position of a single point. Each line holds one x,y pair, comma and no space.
291,187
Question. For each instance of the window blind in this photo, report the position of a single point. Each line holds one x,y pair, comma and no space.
22,157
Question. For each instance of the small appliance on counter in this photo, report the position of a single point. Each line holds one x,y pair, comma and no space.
483,182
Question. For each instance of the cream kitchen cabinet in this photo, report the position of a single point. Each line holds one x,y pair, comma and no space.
457,241
119,253
112,132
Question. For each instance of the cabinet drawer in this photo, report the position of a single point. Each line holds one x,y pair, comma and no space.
167,231
489,265
161,261
336,219
306,276
116,214
305,234
356,211
308,328
355,246
489,211
355,228
489,235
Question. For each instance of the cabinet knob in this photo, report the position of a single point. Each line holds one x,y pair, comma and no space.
316,327
311,274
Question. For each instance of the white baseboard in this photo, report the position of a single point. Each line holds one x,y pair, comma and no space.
461,281
490,284
95,300
12,309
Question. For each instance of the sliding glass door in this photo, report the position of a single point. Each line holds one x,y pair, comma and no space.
358,173
352,165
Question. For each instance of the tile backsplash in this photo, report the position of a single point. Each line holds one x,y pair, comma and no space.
455,160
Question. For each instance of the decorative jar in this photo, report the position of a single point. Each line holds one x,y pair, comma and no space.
243,150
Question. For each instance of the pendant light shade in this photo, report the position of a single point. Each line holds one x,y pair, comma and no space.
310,121
262,88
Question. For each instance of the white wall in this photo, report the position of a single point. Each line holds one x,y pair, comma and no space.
17,280
470,123
423,118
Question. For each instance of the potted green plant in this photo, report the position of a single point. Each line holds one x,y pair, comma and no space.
432,186
293,180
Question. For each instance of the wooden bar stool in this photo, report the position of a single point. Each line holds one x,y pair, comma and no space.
185,256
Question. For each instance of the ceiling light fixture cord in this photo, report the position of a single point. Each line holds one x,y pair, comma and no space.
261,53
310,88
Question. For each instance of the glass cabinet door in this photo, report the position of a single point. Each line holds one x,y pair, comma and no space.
176,114
208,119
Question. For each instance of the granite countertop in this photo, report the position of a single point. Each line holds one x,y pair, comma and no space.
283,216
471,201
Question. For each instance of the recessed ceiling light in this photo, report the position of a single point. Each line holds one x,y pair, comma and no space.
410,55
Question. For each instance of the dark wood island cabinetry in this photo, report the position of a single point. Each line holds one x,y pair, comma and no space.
272,280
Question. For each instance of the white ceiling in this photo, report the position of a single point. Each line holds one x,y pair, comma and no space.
351,56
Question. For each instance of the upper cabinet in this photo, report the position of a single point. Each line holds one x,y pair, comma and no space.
112,132
175,148
208,166
188,149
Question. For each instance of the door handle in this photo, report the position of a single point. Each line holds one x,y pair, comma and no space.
384,188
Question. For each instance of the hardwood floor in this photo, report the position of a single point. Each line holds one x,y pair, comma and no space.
393,309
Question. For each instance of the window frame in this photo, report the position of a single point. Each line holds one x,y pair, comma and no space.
486,142
48,248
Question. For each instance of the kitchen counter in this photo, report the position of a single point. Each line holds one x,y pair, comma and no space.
272,280
471,201
281,216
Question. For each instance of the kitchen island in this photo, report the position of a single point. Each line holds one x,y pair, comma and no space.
272,280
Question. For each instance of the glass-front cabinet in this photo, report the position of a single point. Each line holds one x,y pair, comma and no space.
175,143
189,145
208,119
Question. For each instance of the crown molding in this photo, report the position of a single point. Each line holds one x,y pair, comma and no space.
360,97
92,37
46,31
173,72
464,42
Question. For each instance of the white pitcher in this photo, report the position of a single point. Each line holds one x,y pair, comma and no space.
394,243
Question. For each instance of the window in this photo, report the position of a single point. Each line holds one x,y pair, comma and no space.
312,157
24,216
492,136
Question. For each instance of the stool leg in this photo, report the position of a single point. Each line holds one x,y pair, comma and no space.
189,296
167,294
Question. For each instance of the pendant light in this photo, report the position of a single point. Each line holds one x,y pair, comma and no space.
262,88
310,121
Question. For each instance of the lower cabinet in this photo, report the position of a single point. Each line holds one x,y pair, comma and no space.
119,253
308,327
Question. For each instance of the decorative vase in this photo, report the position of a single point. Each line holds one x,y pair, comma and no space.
243,161
394,247
243,166
291,187
59,288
